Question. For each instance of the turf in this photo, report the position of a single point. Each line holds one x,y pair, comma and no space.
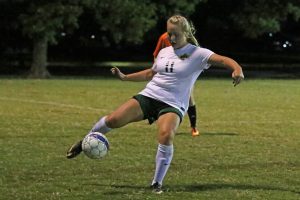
249,146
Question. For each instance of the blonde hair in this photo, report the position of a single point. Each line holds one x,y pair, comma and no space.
187,28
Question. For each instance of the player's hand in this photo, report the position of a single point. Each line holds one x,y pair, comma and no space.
237,76
115,71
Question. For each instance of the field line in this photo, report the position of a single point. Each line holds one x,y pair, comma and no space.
51,103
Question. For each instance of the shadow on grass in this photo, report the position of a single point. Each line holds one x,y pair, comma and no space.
220,134
208,187
209,134
227,186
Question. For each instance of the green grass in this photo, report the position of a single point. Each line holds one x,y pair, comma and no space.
249,147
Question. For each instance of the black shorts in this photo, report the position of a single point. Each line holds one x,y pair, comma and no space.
153,108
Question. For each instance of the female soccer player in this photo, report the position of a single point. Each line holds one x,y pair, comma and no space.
166,97
163,42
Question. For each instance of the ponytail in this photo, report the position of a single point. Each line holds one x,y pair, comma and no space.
191,35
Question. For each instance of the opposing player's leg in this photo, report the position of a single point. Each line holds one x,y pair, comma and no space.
128,112
192,113
167,126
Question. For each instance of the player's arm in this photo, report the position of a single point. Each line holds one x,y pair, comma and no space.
144,75
223,61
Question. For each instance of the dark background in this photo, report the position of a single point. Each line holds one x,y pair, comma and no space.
283,46
215,31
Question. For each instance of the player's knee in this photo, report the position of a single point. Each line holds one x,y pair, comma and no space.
166,137
113,121
192,102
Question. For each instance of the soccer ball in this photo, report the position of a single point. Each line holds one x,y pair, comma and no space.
95,145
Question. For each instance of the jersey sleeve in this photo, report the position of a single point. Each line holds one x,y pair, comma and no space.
203,56
154,66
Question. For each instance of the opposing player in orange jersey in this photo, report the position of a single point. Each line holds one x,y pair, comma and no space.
163,42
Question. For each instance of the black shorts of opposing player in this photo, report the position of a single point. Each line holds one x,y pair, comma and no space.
153,108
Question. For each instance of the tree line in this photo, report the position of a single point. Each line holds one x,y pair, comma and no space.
129,20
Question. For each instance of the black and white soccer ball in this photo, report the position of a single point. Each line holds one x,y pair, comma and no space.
95,145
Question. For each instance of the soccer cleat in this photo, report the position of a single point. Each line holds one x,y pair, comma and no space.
74,150
195,132
156,188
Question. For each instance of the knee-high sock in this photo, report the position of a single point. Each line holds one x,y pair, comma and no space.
192,115
163,160
101,126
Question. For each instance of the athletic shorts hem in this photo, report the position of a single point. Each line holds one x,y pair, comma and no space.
152,109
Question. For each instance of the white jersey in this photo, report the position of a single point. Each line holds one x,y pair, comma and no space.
177,70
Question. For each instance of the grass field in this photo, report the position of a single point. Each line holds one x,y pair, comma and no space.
249,147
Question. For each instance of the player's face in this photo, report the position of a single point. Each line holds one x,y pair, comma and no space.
176,35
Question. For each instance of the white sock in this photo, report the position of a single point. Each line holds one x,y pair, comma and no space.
163,160
101,126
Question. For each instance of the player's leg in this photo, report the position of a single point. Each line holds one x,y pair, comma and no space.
192,113
167,126
126,113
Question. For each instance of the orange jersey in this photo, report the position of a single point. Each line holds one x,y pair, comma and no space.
163,42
